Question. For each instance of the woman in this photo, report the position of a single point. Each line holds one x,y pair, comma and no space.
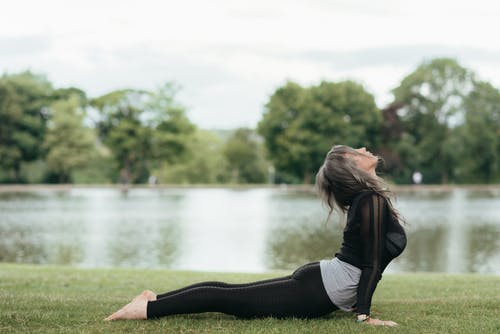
346,181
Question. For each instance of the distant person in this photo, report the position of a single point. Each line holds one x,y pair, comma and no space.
152,180
417,177
373,237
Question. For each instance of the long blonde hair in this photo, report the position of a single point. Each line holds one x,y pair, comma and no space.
339,181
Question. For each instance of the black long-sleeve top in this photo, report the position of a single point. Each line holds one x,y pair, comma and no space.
372,238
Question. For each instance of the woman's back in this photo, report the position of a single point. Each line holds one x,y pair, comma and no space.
372,238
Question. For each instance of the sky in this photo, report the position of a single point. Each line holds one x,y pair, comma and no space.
229,56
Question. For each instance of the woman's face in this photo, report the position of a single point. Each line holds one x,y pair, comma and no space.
365,160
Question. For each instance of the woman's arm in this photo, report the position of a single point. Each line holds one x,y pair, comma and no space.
372,212
372,230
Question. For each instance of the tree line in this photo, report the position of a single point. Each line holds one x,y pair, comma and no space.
443,122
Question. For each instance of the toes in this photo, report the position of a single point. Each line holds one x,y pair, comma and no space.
111,317
117,314
133,310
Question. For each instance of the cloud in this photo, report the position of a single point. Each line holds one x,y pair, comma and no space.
142,63
397,56
24,45
230,56
215,96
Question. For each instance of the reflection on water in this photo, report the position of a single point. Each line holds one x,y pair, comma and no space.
19,244
235,230
306,242
424,251
483,245
23,244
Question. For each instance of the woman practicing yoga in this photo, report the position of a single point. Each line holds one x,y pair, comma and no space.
372,238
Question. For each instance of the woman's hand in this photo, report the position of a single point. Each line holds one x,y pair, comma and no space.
378,322
363,318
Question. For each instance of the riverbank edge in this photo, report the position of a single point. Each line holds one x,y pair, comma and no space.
290,187
277,272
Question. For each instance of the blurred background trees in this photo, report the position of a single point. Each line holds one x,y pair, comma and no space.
431,101
68,143
480,134
443,122
24,101
143,130
244,154
448,123
301,124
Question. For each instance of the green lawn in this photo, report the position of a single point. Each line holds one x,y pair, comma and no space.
47,299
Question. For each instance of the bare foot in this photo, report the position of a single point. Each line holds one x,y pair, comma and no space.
136,309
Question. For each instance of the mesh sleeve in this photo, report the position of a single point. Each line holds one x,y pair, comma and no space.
371,213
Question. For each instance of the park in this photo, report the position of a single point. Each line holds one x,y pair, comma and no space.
154,157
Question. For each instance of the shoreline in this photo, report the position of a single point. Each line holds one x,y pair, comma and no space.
291,187
267,272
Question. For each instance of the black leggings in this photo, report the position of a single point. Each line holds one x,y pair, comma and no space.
299,295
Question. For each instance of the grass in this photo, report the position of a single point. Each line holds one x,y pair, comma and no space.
48,299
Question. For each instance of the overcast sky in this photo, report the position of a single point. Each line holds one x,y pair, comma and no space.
229,56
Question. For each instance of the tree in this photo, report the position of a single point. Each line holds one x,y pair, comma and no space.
172,130
432,106
203,162
301,124
142,129
11,153
244,154
120,128
24,99
69,143
481,134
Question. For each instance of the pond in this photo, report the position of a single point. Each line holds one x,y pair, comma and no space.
245,230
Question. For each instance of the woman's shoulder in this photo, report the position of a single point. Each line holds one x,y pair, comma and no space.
364,197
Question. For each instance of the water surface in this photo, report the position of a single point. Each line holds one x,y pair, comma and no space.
247,230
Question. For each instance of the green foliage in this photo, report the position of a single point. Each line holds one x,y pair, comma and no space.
172,130
208,159
34,171
301,124
100,169
203,162
119,128
450,125
432,100
442,122
142,130
481,135
66,93
245,157
69,143
23,101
